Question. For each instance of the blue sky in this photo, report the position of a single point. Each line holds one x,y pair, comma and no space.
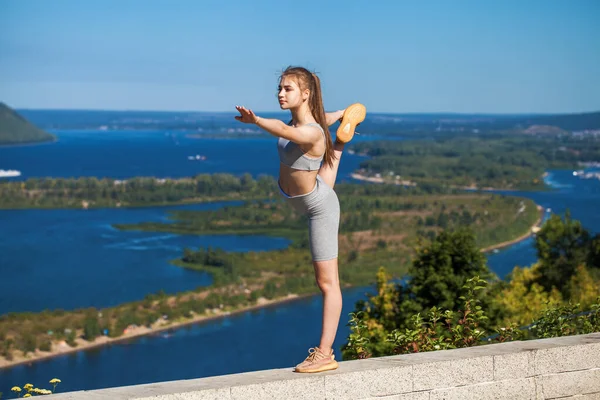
478,56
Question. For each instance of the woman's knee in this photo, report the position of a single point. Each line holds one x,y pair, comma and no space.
327,283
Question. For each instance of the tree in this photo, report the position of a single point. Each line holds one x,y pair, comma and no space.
522,299
440,270
594,255
91,326
584,289
562,246
270,289
373,321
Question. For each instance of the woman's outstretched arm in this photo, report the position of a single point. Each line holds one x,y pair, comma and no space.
300,135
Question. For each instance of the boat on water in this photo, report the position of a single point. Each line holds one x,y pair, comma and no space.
9,173
587,175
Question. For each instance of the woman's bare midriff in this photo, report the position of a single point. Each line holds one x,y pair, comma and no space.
295,182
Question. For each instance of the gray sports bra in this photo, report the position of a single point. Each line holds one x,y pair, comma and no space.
293,156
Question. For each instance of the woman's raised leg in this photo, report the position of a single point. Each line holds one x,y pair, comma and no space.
353,115
329,174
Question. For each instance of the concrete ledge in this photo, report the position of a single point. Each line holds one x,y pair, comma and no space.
563,368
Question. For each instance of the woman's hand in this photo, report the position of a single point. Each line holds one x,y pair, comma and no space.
333,117
246,116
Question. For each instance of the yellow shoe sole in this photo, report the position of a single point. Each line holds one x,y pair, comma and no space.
322,368
353,115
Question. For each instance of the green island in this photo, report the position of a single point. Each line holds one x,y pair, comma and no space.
91,192
14,129
500,161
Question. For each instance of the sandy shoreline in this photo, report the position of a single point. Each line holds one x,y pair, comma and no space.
537,224
375,179
83,345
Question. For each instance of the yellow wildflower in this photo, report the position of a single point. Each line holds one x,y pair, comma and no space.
28,386
55,380
27,395
45,391
15,389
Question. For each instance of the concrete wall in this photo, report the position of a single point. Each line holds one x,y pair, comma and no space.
557,368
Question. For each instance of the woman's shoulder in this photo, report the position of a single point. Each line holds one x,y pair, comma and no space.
315,124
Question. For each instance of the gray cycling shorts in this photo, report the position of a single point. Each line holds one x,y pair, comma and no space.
322,207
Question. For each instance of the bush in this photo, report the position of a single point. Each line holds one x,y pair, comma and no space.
448,329
567,320
270,289
91,327
45,345
5,350
444,330
28,343
71,339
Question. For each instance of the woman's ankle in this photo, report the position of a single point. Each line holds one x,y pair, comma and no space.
339,146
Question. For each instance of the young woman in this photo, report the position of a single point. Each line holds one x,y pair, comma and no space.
308,168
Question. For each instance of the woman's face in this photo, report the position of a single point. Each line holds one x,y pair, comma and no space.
289,95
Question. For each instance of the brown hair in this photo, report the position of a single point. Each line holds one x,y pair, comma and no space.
310,81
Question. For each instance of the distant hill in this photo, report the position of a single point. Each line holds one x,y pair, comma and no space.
384,124
544,129
568,122
15,129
